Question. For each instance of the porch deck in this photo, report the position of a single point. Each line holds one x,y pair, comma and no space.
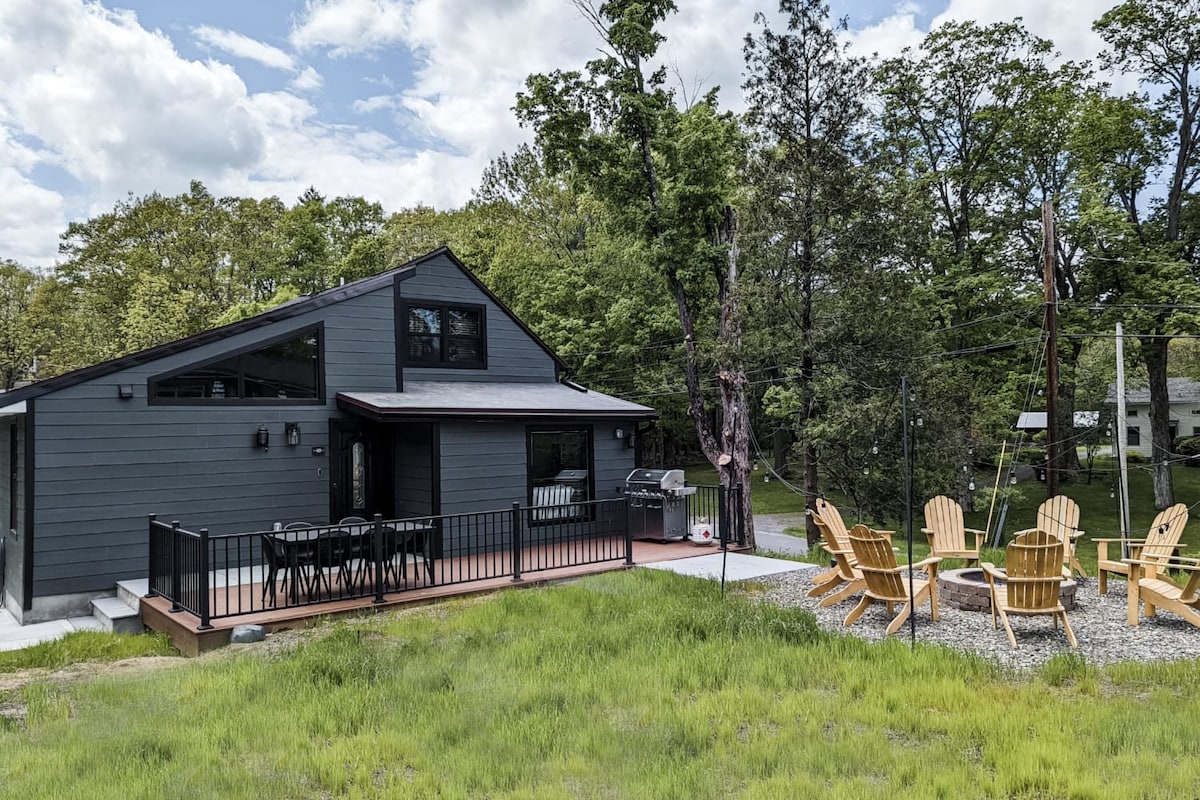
183,628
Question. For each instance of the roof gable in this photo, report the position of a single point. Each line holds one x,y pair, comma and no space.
1179,390
281,312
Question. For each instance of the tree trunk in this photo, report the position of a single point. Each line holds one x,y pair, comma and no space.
735,428
1154,353
1068,453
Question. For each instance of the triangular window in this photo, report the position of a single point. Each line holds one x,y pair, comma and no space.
286,370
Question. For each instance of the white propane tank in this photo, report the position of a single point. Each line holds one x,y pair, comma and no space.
702,533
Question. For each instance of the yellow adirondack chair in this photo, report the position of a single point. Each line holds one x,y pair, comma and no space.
1032,577
835,542
887,582
1059,516
1156,590
1159,545
948,533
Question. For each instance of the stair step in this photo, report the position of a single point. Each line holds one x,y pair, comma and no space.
116,616
132,591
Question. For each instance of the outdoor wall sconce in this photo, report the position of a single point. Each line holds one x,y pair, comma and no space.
125,391
619,433
291,432
263,438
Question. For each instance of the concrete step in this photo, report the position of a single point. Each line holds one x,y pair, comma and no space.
132,591
114,615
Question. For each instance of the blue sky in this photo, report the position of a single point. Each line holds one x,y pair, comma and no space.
400,101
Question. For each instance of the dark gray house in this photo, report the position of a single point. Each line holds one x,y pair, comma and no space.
413,392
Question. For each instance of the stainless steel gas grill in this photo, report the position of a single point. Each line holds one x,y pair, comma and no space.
656,504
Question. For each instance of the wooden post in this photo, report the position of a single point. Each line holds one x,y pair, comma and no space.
1052,438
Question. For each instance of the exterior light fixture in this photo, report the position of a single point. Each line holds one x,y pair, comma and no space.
619,433
263,437
291,433
125,391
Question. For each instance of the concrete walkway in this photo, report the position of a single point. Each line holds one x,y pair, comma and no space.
17,637
736,566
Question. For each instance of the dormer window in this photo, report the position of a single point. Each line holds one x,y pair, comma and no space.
443,335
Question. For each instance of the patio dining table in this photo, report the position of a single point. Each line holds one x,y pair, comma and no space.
303,549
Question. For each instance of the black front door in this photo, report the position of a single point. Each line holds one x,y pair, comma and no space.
360,470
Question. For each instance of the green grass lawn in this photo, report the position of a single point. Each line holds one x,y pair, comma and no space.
625,685
1098,512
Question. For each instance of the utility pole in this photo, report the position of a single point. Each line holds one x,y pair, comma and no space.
1122,434
1048,253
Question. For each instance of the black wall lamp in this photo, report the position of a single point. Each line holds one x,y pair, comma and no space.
263,437
291,433
125,391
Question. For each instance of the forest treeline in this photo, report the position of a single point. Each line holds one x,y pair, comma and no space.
862,220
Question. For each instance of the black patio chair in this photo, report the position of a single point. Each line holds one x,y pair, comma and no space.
398,545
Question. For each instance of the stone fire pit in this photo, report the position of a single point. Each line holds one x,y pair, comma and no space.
967,589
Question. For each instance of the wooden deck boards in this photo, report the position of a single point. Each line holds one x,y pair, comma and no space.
183,627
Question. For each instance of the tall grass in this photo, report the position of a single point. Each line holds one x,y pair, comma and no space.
630,685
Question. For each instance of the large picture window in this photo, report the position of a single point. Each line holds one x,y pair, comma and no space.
560,473
441,335
283,371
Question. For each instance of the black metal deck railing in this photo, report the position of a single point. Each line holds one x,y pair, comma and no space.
225,575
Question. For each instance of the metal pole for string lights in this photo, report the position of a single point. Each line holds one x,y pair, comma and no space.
1053,454
904,435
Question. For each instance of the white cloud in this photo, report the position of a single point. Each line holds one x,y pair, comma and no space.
346,27
380,102
114,105
240,46
309,80
889,36
31,217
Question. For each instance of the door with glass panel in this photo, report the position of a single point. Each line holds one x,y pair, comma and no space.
360,471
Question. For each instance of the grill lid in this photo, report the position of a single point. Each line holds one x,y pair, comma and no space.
663,479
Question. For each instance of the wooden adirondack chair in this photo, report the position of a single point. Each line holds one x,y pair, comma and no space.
887,582
844,575
1156,590
1032,577
947,532
1159,546
1059,516
834,540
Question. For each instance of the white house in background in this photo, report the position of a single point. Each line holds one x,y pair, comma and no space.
1183,396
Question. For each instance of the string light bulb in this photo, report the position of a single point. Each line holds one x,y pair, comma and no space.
875,448
971,484
1112,491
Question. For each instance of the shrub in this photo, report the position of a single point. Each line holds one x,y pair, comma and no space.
1188,447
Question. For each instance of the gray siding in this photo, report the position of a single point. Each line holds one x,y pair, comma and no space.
484,465
14,538
511,354
104,463
414,470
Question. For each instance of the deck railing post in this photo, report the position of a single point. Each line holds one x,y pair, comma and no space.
628,531
150,592
377,548
516,541
205,615
175,580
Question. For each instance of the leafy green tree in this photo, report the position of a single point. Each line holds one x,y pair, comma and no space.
17,349
665,175
1154,266
814,229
